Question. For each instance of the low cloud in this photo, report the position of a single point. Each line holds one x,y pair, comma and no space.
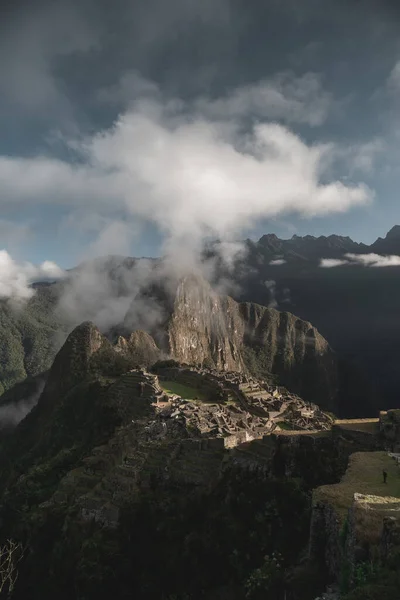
366,260
328,263
271,287
374,260
102,291
278,261
16,277
11,414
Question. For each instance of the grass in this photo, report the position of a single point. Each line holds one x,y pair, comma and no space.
184,391
363,475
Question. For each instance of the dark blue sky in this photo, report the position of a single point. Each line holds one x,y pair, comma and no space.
129,123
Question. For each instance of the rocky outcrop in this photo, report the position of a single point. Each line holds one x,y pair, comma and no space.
293,350
73,361
204,328
140,347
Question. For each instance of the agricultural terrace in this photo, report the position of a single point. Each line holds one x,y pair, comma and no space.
364,476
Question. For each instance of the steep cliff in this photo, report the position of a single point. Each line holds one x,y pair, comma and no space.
354,525
204,328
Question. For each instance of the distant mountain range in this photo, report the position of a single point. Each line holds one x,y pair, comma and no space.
310,248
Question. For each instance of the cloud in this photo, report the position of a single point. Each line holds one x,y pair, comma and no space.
16,278
102,290
11,414
283,97
286,296
271,287
190,175
277,261
32,43
329,263
374,260
393,82
366,260
363,157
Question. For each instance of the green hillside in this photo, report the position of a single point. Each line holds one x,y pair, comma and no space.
30,336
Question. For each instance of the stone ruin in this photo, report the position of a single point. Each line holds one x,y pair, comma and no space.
237,404
389,428
165,436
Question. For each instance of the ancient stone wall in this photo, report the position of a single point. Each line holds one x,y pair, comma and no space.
366,439
389,427
231,441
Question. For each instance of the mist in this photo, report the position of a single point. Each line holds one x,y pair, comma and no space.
13,413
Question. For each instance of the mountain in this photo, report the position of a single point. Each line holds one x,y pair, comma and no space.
30,336
197,326
307,247
354,307
198,460
107,447
388,245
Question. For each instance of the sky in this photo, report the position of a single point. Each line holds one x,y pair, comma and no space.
144,127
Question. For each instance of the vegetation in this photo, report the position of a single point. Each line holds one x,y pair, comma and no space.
200,542
30,337
258,361
375,583
185,391
10,555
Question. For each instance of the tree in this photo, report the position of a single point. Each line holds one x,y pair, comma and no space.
10,555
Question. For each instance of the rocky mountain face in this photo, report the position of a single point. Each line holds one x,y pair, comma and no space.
203,328
390,244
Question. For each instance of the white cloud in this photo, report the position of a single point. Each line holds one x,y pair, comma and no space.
189,175
374,260
277,261
366,260
15,278
329,263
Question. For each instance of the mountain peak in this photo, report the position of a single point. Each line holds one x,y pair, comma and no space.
394,233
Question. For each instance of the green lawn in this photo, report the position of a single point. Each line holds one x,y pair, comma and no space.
184,391
363,475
